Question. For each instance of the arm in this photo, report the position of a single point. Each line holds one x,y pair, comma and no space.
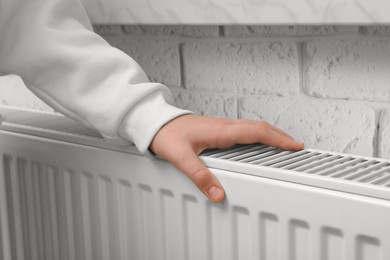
51,45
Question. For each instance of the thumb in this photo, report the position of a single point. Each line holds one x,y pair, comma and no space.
193,167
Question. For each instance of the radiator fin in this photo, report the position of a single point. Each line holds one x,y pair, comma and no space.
106,210
220,233
368,248
299,248
174,229
129,231
45,207
332,244
83,207
150,232
11,174
241,231
197,244
270,236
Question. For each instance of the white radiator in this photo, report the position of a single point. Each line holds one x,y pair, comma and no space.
66,194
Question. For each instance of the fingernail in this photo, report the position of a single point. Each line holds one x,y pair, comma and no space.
215,192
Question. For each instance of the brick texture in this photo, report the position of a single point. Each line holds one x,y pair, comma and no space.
384,134
158,57
349,69
173,30
207,104
375,30
321,124
260,68
105,29
275,31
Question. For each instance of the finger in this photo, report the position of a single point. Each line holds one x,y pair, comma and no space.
253,122
193,167
284,142
280,131
257,133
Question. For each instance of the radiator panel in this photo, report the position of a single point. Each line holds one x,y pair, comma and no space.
68,201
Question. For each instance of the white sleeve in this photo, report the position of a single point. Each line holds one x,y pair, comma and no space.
51,46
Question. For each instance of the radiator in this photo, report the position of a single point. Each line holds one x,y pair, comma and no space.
66,194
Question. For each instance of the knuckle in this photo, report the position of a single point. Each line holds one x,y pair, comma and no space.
262,129
263,124
240,121
201,178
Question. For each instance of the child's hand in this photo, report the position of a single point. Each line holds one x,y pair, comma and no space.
181,140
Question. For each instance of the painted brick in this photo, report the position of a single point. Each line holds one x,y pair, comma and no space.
274,31
158,57
107,29
260,68
15,93
349,69
384,135
207,104
321,124
173,30
376,30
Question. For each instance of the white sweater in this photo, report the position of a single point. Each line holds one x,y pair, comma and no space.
51,46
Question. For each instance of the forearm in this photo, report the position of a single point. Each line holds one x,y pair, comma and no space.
50,44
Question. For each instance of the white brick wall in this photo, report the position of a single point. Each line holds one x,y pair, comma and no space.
326,85
173,30
159,57
384,134
241,67
337,125
348,69
282,31
210,104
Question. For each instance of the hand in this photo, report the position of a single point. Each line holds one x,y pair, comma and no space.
181,140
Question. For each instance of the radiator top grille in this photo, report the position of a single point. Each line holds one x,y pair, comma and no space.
337,171
47,121
340,166
54,126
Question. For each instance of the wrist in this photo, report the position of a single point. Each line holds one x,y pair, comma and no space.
146,118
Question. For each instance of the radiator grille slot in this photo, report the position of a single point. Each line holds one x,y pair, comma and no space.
338,166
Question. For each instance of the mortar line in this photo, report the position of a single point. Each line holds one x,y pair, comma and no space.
300,67
377,138
238,100
181,65
221,29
